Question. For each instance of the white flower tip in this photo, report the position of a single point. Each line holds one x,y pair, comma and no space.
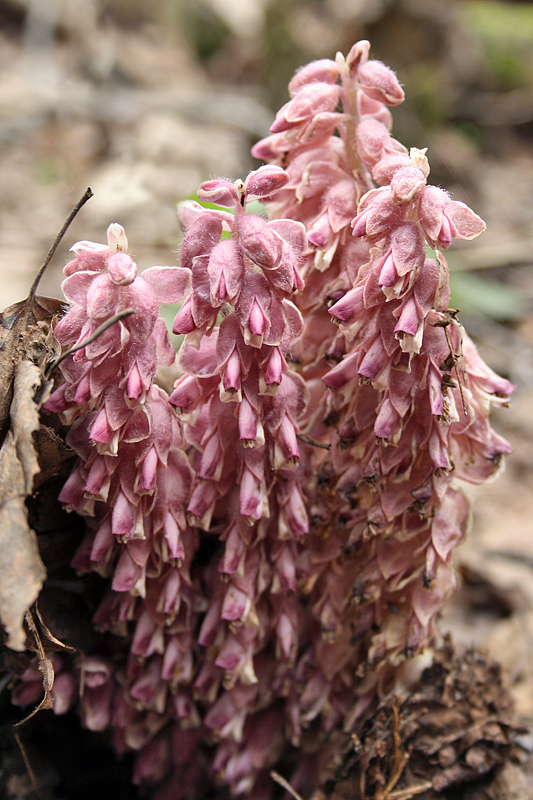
116,238
419,158
340,61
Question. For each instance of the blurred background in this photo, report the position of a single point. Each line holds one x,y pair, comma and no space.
144,100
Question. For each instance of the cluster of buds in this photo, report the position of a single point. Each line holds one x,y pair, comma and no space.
278,533
315,138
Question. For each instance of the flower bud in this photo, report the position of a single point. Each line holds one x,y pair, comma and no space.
380,83
122,269
264,182
220,192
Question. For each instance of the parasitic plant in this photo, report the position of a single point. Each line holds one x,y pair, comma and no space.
277,535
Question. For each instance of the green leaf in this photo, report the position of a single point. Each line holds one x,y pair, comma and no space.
471,293
169,313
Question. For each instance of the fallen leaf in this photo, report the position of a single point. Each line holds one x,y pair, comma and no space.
24,335
22,572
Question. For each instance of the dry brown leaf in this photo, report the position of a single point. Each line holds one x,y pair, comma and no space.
51,642
24,335
22,572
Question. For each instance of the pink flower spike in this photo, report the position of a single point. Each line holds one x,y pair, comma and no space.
466,223
186,393
374,143
202,503
154,761
234,550
436,398
212,460
190,212
101,430
76,286
90,256
134,385
438,452
444,219
287,641
286,570
231,654
359,223
148,637
296,512
102,298
270,148
292,232
97,478
445,234
103,543
96,671
406,184
225,270
235,604
64,692
286,436
96,707
72,493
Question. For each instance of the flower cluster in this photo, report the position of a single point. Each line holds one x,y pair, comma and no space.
239,404
407,414
132,481
318,145
277,535
211,617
